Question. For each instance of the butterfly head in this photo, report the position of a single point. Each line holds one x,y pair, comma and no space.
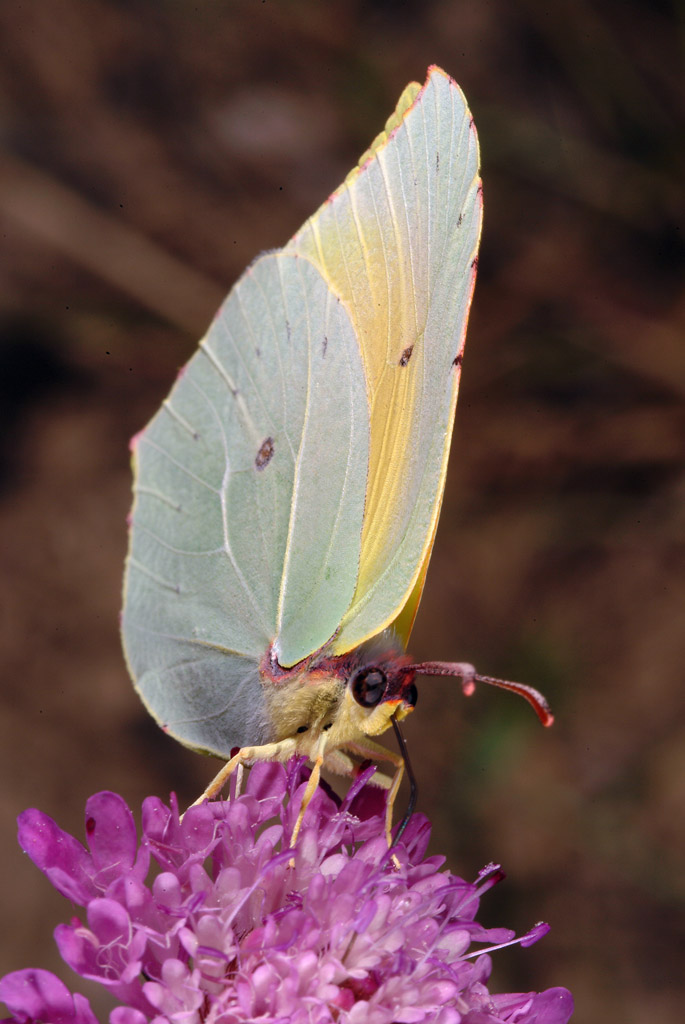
367,690
380,689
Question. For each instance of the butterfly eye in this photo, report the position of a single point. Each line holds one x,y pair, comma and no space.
368,687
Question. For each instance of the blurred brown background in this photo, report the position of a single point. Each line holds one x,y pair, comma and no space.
147,152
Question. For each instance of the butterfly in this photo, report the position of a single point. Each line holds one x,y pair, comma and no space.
287,493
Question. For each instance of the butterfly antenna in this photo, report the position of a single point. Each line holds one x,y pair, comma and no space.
413,788
469,677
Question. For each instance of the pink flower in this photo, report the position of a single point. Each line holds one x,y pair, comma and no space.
237,927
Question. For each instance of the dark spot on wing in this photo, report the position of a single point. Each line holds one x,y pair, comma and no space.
287,329
302,728
457,361
437,162
479,190
265,453
406,355
327,727
460,219
324,346
474,263
258,352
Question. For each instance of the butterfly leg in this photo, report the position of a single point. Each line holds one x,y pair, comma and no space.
311,788
280,751
367,748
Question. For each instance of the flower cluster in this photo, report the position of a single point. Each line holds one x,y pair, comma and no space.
214,918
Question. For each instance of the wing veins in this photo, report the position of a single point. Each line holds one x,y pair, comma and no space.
151,492
168,408
191,641
296,479
178,551
175,588
184,469
222,494
248,323
334,529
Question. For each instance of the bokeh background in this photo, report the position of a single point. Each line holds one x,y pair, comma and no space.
148,151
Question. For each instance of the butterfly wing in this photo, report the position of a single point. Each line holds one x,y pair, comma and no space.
288,491
398,241
249,497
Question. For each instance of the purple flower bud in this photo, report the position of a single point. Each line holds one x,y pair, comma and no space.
237,926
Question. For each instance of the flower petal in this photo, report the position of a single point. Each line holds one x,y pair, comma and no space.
111,835
34,995
58,855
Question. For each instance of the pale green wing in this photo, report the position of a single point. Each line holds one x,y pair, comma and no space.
249,497
398,242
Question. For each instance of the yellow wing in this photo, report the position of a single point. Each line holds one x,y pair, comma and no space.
398,242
